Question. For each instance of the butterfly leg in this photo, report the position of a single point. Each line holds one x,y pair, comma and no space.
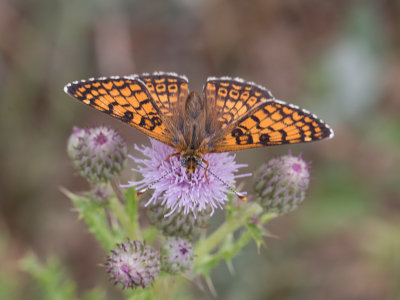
205,169
169,156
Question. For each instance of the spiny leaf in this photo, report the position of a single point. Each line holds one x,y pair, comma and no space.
95,217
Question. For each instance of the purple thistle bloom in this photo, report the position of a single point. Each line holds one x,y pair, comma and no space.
178,190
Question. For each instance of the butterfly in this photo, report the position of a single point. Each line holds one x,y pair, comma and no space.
230,114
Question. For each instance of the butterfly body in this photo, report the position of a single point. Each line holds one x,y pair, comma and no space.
230,115
187,125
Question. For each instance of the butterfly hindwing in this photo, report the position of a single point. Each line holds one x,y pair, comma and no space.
125,98
273,122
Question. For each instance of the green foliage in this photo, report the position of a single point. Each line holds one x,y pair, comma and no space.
150,234
93,213
224,241
139,294
132,203
256,232
8,289
52,282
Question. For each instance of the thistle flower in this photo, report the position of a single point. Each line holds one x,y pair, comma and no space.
177,255
133,264
178,190
282,183
178,224
99,153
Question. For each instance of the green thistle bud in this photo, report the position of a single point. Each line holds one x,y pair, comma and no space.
282,183
133,264
99,153
177,255
178,224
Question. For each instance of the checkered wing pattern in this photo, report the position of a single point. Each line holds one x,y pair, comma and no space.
232,98
125,98
236,114
273,122
167,90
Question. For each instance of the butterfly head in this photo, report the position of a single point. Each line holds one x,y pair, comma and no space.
190,161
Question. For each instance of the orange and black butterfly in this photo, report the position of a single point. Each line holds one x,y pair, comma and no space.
230,115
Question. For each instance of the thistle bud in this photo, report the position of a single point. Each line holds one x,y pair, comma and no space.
177,255
133,264
99,153
282,183
178,224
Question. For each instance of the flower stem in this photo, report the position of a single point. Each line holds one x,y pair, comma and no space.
131,228
164,287
237,220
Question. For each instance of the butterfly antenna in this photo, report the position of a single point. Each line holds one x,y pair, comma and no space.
150,185
241,196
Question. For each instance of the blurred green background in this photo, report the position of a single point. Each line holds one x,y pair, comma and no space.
339,59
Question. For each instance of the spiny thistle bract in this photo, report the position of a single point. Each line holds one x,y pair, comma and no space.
75,141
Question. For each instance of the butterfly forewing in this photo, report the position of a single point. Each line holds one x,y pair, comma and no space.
230,99
125,98
272,123
167,90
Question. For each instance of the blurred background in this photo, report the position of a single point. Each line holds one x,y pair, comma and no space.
339,59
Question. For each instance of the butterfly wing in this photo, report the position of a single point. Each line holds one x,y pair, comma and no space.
125,98
272,122
167,90
228,99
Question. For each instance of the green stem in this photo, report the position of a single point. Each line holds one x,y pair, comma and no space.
267,216
238,220
131,228
164,287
